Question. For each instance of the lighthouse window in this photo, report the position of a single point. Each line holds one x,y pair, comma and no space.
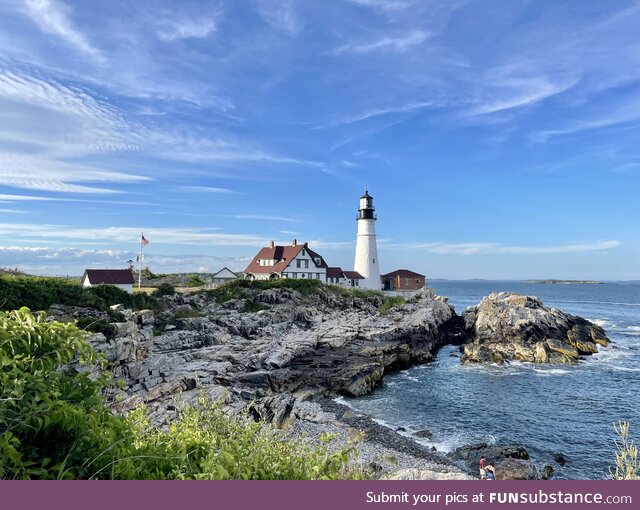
374,261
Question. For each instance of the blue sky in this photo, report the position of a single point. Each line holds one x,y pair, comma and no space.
499,139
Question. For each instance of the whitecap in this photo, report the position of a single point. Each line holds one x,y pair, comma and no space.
601,322
551,371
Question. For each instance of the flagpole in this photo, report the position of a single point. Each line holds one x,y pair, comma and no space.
140,260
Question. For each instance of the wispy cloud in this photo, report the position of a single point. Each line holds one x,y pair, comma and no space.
171,29
53,17
13,211
385,44
466,249
623,113
378,112
73,261
209,189
34,173
157,235
386,5
519,92
280,14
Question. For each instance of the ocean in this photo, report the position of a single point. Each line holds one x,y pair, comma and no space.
549,409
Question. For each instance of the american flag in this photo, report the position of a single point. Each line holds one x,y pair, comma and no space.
144,241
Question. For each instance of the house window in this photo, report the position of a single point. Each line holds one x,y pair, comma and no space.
303,253
298,264
302,275
306,264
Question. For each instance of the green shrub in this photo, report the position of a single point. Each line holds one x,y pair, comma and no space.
253,306
164,289
195,281
108,295
626,457
52,419
389,303
38,293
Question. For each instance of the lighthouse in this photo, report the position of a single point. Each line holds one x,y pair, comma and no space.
367,263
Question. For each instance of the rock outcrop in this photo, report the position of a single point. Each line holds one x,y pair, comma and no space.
326,342
507,326
510,462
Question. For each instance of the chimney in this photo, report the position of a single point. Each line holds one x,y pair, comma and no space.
272,244
294,242
306,245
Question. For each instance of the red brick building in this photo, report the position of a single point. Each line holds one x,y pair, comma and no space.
402,279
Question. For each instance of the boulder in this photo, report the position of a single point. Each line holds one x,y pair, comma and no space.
516,469
511,327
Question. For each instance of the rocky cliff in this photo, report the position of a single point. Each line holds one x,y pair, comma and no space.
294,344
507,326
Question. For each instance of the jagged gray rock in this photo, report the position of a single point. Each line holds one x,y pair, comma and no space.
507,326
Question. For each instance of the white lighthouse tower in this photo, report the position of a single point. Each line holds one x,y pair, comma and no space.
367,263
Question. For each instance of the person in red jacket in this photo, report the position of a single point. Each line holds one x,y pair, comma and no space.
483,469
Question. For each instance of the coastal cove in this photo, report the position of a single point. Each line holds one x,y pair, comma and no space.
548,409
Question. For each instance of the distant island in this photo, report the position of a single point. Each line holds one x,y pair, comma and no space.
567,282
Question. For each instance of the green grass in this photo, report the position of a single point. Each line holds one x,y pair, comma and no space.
389,303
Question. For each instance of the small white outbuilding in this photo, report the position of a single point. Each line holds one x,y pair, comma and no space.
121,278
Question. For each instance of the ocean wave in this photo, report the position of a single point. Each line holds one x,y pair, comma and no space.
603,323
626,369
551,371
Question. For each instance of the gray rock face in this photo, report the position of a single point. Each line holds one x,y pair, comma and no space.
299,345
507,326
510,462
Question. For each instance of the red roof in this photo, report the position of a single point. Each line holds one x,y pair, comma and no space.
403,273
334,272
283,255
109,276
353,275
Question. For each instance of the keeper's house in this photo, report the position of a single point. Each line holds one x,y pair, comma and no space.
402,279
295,261
337,276
121,278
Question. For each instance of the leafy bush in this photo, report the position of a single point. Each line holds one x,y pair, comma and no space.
52,419
627,461
164,289
195,281
54,422
108,294
389,303
38,293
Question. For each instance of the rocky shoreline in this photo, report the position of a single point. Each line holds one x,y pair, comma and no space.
283,355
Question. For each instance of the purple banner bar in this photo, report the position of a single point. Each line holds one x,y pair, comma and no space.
318,495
